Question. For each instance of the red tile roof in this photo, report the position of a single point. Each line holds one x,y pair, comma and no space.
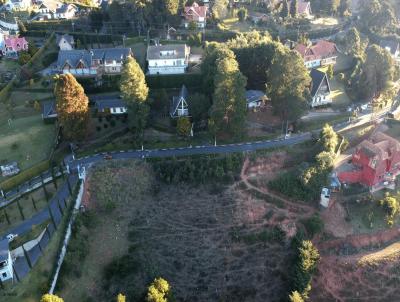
322,49
194,12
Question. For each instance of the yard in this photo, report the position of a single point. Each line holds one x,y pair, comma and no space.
26,140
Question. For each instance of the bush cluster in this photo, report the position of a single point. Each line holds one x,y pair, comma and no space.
198,169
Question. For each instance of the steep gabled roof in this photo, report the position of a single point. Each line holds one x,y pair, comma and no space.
318,77
66,37
195,11
176,100
319,50
48,109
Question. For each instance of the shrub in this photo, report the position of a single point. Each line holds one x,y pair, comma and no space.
314,225
105,126
112,123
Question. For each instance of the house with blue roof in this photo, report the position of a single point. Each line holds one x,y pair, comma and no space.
93,62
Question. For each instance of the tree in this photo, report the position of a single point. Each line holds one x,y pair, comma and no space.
23,57
158,291
213,51
285,9
288,84
352,44
121,298
171,6
184,126
72,106
229,102
392,207
329,71
295,297
328,139
51,298
220,9
378,16
133,85
293,8
32,49
199,105
242,14
344,8
192,25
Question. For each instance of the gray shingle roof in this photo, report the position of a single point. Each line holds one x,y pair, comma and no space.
175,51
109,103
254,95
68,38
73,57
177,99
4,249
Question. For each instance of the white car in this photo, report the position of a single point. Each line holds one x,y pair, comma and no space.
11,237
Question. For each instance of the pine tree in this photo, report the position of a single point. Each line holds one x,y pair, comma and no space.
229,108
285,9
133,82
293,8
72,107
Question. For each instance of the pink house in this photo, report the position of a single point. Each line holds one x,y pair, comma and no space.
13,45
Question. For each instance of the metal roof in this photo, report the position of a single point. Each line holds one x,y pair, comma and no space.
109,103
170,51
4,249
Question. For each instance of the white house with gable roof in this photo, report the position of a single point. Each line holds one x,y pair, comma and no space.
6,264
168,59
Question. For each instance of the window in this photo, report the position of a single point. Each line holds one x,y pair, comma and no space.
4,275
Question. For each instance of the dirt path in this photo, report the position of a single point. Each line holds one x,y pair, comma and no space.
291,206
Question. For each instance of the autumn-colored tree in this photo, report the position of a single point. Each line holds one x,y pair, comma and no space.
133,82
184,126
121,298
51,298
72,106
295,297
158,291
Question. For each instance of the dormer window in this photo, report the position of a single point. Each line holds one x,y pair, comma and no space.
167,53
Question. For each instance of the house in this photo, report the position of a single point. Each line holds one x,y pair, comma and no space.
6,264
257,17
66,11
47,9
303,9
375,163
113,106
320,88
179,105
13,45
255,99
65,42
168,59
49,113
195,14
92,63
393,47
325,197
11,5
320,54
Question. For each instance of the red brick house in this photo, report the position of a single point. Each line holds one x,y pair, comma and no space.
195,13
319,54
375,162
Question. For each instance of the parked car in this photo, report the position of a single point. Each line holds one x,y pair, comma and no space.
107,157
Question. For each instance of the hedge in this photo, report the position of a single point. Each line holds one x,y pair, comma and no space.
24,176
174,81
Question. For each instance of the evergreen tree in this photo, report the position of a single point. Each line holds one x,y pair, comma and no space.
288,84
352,44
72,107
133,85
228,111
294,8
285,9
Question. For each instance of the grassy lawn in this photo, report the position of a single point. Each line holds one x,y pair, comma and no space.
27,140
340,99
233,24
315,124
28,210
